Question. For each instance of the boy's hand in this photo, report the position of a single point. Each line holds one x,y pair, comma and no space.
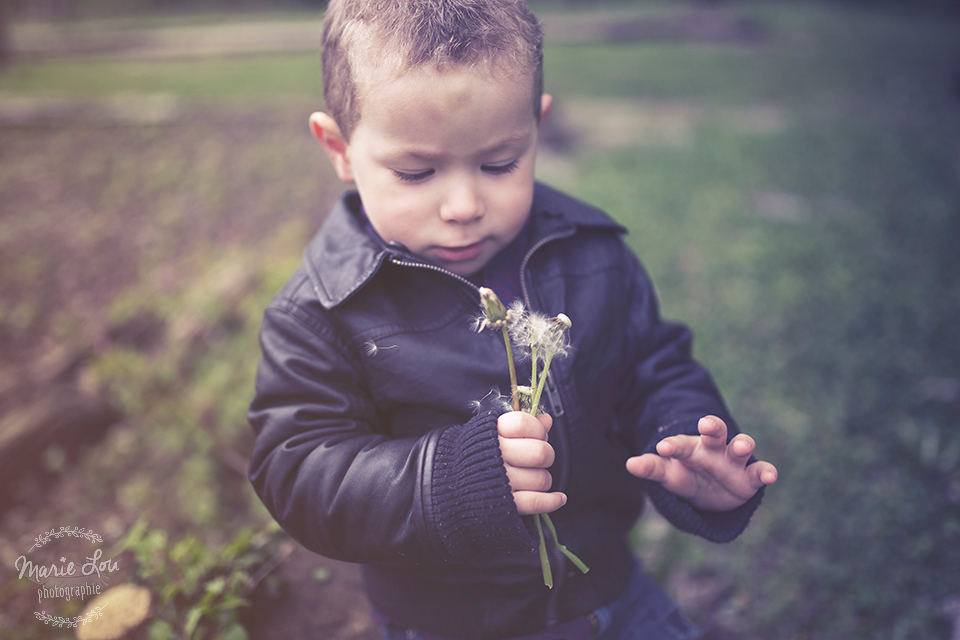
704,470
527,455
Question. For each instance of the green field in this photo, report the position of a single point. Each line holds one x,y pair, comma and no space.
794,192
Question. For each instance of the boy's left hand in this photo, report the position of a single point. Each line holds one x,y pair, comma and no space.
705,470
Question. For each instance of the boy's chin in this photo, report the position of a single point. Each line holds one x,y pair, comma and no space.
468,267
465,271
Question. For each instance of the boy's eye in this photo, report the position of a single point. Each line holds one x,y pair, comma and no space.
499,169
413,177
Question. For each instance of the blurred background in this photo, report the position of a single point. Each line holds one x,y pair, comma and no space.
789,173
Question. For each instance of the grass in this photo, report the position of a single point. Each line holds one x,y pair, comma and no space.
817,263
280,75
804,221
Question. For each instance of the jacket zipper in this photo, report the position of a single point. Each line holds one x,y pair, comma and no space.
526,261
432,267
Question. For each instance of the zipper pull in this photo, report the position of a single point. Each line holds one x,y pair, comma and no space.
553,397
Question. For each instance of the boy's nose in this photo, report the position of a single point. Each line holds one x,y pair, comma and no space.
462,203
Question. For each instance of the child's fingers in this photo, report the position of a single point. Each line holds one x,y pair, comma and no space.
523,479
648,466
678,446
516,424
531,502
763,473
741,448
546,420
526,452
714,432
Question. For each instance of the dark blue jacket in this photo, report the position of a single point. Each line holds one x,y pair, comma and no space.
367,449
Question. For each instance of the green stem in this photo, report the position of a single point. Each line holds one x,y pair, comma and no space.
538,391
514,394
544,558
563,549
533,376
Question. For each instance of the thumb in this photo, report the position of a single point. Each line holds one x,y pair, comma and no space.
648,466
546,420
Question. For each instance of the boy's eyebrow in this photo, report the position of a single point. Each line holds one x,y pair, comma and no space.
428,156
509,141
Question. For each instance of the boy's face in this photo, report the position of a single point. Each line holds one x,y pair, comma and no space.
443,161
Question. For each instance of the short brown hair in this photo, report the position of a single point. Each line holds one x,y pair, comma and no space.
416,33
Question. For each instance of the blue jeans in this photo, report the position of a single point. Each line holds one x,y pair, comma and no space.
641,612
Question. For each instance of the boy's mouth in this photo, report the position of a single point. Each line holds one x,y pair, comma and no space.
459,254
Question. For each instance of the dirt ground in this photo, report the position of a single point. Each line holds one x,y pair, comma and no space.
332,607
75,232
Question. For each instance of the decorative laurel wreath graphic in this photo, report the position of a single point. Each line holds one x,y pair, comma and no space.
59,621
75,532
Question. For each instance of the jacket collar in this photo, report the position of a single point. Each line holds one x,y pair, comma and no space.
344,255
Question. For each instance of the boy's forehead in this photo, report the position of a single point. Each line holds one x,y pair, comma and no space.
371,80
424,97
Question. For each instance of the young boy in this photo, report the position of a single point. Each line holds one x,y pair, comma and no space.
367,449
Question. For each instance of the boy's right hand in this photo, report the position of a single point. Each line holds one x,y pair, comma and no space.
527,455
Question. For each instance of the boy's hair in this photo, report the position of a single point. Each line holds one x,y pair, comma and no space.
408,34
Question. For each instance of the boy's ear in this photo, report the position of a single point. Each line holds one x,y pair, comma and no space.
325,130
546,102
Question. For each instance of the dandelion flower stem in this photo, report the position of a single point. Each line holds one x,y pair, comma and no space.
533,376
563,549
544,558
538,389
515,395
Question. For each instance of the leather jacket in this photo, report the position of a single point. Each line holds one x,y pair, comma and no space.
367,449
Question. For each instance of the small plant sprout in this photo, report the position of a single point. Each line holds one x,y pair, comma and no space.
540,338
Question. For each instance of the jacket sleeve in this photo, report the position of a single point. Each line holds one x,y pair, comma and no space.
347,491
670,392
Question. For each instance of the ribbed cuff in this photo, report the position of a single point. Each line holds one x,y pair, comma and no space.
472,502
715,526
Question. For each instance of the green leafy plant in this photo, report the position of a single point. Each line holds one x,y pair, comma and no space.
199,588
542,338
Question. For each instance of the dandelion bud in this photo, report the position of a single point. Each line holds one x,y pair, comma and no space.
492,306
495,314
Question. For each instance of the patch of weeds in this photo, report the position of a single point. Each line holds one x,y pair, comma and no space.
198,587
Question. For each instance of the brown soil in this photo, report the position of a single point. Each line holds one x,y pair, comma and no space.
321,599
92,209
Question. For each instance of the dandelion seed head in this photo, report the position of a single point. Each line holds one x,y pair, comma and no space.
479,323
371,348
541,330
494,402
536,331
